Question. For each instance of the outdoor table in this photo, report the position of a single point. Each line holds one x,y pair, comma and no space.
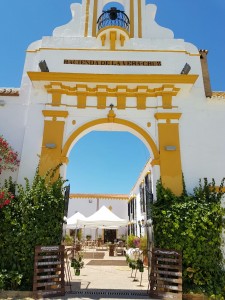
111,249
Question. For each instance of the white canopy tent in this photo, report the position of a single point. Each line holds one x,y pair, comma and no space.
72,222
103,218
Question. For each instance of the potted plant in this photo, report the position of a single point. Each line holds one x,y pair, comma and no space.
99,241
140,265
77,263
144,248
88,237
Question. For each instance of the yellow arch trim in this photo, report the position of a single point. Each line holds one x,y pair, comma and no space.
132,125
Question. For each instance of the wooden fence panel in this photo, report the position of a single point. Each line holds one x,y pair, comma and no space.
166,274
49,271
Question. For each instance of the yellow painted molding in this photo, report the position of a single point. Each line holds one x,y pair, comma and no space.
94,23
103,38
131,18
121,101
56,98
53,133
113,28
100,196
87,18
218,188
122,40
81,100
141,101
101,100
167,100
111,116
168,116
121,92
170,161
55,113
155,162
113,37
135,127
139,19
113,78
65,160
122,50
60,88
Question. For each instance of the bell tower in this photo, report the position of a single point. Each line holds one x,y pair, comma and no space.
95,9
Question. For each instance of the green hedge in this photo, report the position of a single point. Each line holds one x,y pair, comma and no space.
34,217
193,224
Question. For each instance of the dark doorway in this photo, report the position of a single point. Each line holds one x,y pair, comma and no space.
109,235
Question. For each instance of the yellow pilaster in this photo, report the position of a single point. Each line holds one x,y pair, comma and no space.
141,101
167,100
94,23
121,101
131,18
87,18
52,140
101,100
56,98
81,99
122,40
169,148
112,40
103,38
139,19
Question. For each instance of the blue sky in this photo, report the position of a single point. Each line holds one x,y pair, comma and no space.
199,22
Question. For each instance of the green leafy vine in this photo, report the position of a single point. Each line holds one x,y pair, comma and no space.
193,224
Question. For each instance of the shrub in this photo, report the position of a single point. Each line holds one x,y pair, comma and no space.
193,224
34,217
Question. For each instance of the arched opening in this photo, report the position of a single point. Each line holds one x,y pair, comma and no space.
110,4
113,14
117,125
106,162
124,131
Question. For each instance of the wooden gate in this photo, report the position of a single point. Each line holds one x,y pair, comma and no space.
166,274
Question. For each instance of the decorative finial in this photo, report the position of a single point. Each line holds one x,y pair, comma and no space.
111,115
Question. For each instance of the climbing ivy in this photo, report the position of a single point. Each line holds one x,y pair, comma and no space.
33,217
193,224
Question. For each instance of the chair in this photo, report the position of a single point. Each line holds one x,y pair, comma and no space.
119,249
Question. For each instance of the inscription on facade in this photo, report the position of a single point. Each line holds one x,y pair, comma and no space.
112,62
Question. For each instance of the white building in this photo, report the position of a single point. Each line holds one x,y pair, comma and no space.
158,86
87,204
